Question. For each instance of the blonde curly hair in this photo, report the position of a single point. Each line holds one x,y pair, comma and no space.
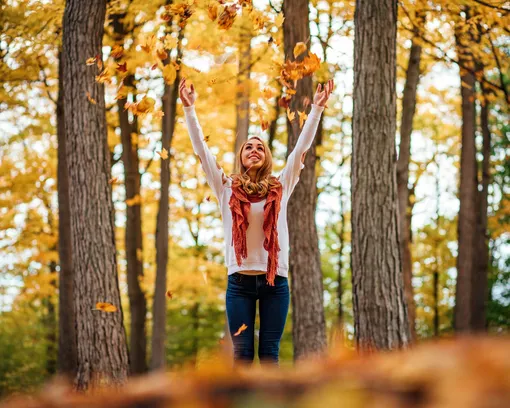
264,179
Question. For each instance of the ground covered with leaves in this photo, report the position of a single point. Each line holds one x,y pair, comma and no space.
463,373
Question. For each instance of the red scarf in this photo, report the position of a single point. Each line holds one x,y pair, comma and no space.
240,204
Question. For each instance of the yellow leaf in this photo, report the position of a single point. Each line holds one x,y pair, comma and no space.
117,51
105,307
104,77
169,74
113,180
91,61
91,99
212,10
279,20
169,42
139,254
267,93
163,153
299,48
291,115
136,200
302,118
241,329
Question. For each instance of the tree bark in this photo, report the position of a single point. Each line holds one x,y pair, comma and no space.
380,312
406,129
159,303
308,321
133,233
101,339
67,358
243,89
467,223
480,275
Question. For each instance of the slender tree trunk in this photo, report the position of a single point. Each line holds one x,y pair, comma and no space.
50,321
480,275
273,125
467,223
380,312
101,339
406,128
67,358
243,88
159,304
133,234
308,321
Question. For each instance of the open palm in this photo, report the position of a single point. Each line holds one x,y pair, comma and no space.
188,96
322,94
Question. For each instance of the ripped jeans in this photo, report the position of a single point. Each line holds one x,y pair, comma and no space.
241,300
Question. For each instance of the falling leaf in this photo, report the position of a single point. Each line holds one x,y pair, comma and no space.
158,114
91,99
311,63
122,92
113,180
163,153
299,49
91,61
139,254
241,329
162,54
227,17
267,93
206,138
104,77
169,42
169,74
122,67
208,198
212,10
279,20
264,125
154,66
136,200
291,91
117,51
291,115
302,118
169,294
284,101
105,307
149,43
211,82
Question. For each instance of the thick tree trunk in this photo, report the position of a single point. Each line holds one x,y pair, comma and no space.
101,339
133,233
380,312
67,358
243,89
467,223
159,303
308,321
480,275
406,128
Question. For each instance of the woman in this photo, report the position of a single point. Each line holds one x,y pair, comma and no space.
253,206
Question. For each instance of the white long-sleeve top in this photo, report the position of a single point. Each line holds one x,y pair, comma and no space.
221,186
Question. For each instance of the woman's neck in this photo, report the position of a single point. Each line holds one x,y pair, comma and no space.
252,174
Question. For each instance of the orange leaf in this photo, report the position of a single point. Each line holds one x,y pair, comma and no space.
91,61
117,51
302,118
113,180
136,200
299,48
91,99
122,67
241,329
169,294
291,115
162,54
105,307
163,153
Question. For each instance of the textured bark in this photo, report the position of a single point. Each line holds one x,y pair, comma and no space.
159,302
480,275
341,246
133,232
380,312
406,128
308,322
467,223
67,358
243,89
101,339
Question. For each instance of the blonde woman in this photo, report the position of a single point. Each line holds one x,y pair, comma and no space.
253,205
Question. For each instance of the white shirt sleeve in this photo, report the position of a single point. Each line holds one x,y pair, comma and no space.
213,172
290,174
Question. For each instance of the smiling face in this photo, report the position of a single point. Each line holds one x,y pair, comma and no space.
253,154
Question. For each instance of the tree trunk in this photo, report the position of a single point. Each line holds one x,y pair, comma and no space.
467,223
480,275
243,89
101,339
133,234
67,358
274,124
159,303
308,321
406,128
380,312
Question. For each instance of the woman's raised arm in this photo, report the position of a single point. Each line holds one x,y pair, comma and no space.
213,172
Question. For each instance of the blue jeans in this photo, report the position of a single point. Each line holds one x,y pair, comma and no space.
241,298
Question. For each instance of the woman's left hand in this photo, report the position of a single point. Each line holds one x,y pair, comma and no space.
322,94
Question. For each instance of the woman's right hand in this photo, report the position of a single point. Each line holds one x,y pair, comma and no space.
188,96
